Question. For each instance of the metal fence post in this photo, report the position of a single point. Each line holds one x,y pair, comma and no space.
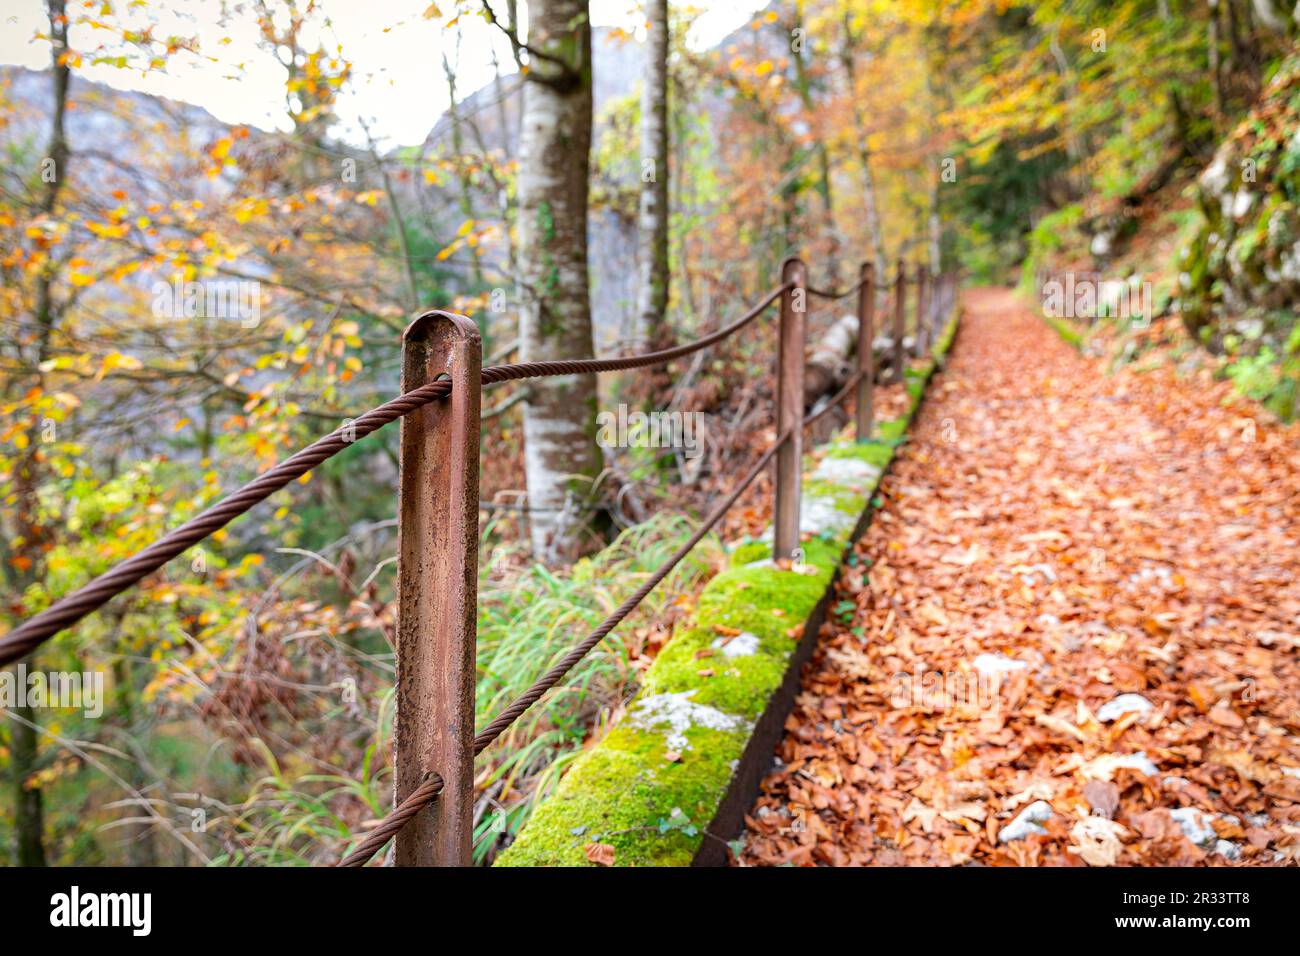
940,302
940,307
923,294
866,351
789,408
437,589
900,318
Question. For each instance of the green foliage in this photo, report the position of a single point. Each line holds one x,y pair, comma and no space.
1270,378
1054,232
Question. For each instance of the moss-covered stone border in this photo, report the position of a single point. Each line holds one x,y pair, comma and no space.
670,783
1072,336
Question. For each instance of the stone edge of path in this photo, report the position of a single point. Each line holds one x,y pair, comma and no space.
671,781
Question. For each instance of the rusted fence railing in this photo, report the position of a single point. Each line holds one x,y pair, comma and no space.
437,581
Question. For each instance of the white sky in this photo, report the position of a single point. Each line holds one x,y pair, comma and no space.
398,86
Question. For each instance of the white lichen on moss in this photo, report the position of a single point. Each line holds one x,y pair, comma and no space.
846,471
744,644
679,713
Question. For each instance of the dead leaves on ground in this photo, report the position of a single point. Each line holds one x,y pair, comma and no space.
1092,536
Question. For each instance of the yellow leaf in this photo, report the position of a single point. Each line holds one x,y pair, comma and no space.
116,360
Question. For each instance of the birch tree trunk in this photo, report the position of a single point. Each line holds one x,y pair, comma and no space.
561,457
652,220
799,42
871,211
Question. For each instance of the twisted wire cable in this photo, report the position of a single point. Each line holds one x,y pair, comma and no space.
420,797
831,294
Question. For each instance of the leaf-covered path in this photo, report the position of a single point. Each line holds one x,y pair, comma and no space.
1085,536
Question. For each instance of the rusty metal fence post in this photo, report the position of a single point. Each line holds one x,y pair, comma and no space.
789,408
437,589
866,351
940,310
924,290
900,318
937,300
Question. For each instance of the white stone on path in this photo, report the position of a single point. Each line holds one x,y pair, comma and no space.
995,665
1104,768
1121,705
1027,822
1195,825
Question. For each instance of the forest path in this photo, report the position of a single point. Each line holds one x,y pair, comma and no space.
1088,536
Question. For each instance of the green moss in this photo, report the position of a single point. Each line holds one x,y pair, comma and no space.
944,342
1066,331
843,497
624,791
875,453
743,599
749,552
892,429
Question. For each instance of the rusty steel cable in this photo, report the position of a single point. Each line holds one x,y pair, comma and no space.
496,374
420,797
828,294
70,609
484,738
839,396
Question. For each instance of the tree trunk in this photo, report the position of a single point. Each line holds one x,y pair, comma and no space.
830,363
870,205
561,457
652,221
29,818
1212,47
141,850
804,84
